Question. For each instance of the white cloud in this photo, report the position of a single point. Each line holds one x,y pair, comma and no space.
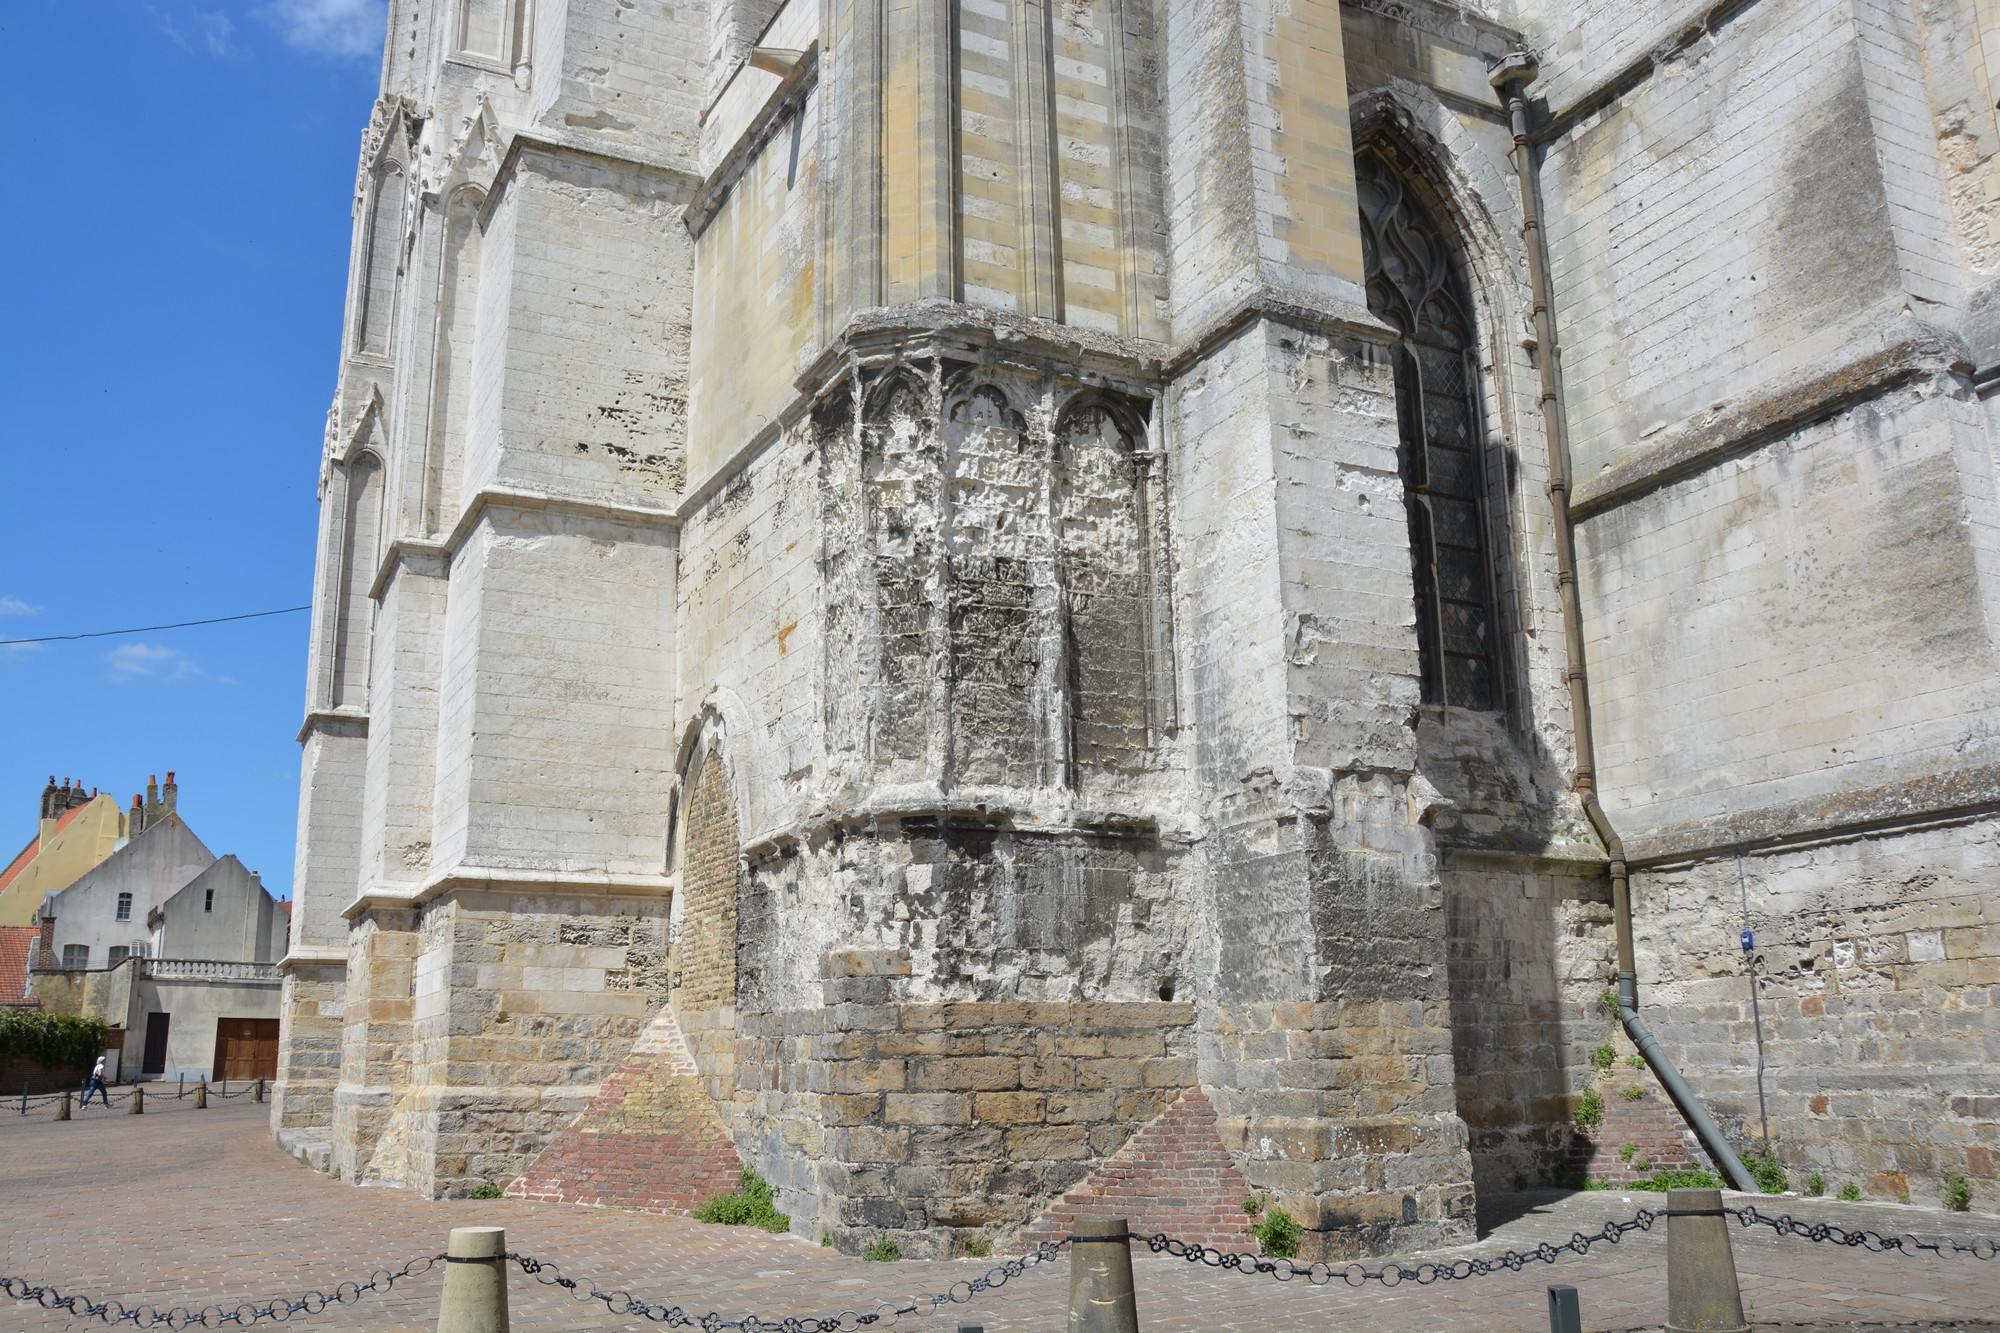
333,27
212,29
149,661
14,606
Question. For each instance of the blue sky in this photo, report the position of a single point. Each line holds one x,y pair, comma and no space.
173,251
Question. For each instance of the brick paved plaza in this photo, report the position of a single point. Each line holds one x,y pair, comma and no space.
199,1207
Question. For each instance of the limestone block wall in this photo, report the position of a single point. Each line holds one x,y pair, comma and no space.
522,1000
1810,616
1531,957
1794,125
1877,960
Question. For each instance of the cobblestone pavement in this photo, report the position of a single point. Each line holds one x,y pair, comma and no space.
200,1207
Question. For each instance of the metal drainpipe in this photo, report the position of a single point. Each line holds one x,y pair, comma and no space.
1510,78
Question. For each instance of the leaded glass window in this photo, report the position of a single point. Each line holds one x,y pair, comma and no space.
1414,286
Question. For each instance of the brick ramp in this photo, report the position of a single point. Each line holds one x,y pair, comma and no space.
650,1141
1649,1124
1173,1176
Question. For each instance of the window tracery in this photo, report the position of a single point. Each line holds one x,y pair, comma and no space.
1414,285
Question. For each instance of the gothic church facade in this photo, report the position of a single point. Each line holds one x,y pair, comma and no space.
920,596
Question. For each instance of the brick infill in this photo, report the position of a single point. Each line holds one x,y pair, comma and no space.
1173,1176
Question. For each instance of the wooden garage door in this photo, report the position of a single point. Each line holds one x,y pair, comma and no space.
246,1048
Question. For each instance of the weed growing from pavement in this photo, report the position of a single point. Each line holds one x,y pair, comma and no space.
883,1251
1604,1056
978,1249
1763,1164
1850,1193
1634,1093
1957,1193
1277,1232
750,1206
1815,1185
486,1189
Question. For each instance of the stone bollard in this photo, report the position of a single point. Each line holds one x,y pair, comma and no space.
201,1095
1101,1299
138,1106
62,1107
475,1282
1702,1295
258,1095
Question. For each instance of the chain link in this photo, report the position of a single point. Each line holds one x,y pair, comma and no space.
1880,1242
885,1314
1392,1274
275,1311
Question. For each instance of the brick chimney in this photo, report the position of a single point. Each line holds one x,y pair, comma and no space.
45,947
49,799
168,793
152,799
135,823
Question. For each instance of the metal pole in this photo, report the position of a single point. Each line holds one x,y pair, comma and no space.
1702,1295
1101,1299
1564,1314
1756,1010
258,1095
181,1091
475,1282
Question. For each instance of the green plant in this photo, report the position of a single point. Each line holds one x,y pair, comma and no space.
1277,1232
1661,1181
883,1251
1762,1163
1589,1109
1815,1185
750,1206
1904,1197
1957,1193
1635,1062
1633,1093
486,1189
1607,1000
53,1041
978,1249
826,1240
1604,1056
1252,1204
336,1173
1595,1184
1849,1193
1643,1164
1625,1153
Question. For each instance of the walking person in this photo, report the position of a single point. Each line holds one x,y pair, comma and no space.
95,1083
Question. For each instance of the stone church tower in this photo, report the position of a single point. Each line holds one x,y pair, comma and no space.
928,597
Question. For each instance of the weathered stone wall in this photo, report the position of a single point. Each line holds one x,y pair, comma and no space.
1531,959
1877,965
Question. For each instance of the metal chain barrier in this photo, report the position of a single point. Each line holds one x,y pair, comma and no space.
884,1315
275,1311
1879,1242
1392,1274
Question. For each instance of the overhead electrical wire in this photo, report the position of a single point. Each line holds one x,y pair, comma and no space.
148,629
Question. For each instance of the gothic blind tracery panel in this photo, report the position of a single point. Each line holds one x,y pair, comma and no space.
1414,285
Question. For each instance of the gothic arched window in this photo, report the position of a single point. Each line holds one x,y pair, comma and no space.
1414,286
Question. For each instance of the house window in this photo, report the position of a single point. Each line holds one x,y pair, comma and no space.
124,907
208,900
119,953
1414,285
76,956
